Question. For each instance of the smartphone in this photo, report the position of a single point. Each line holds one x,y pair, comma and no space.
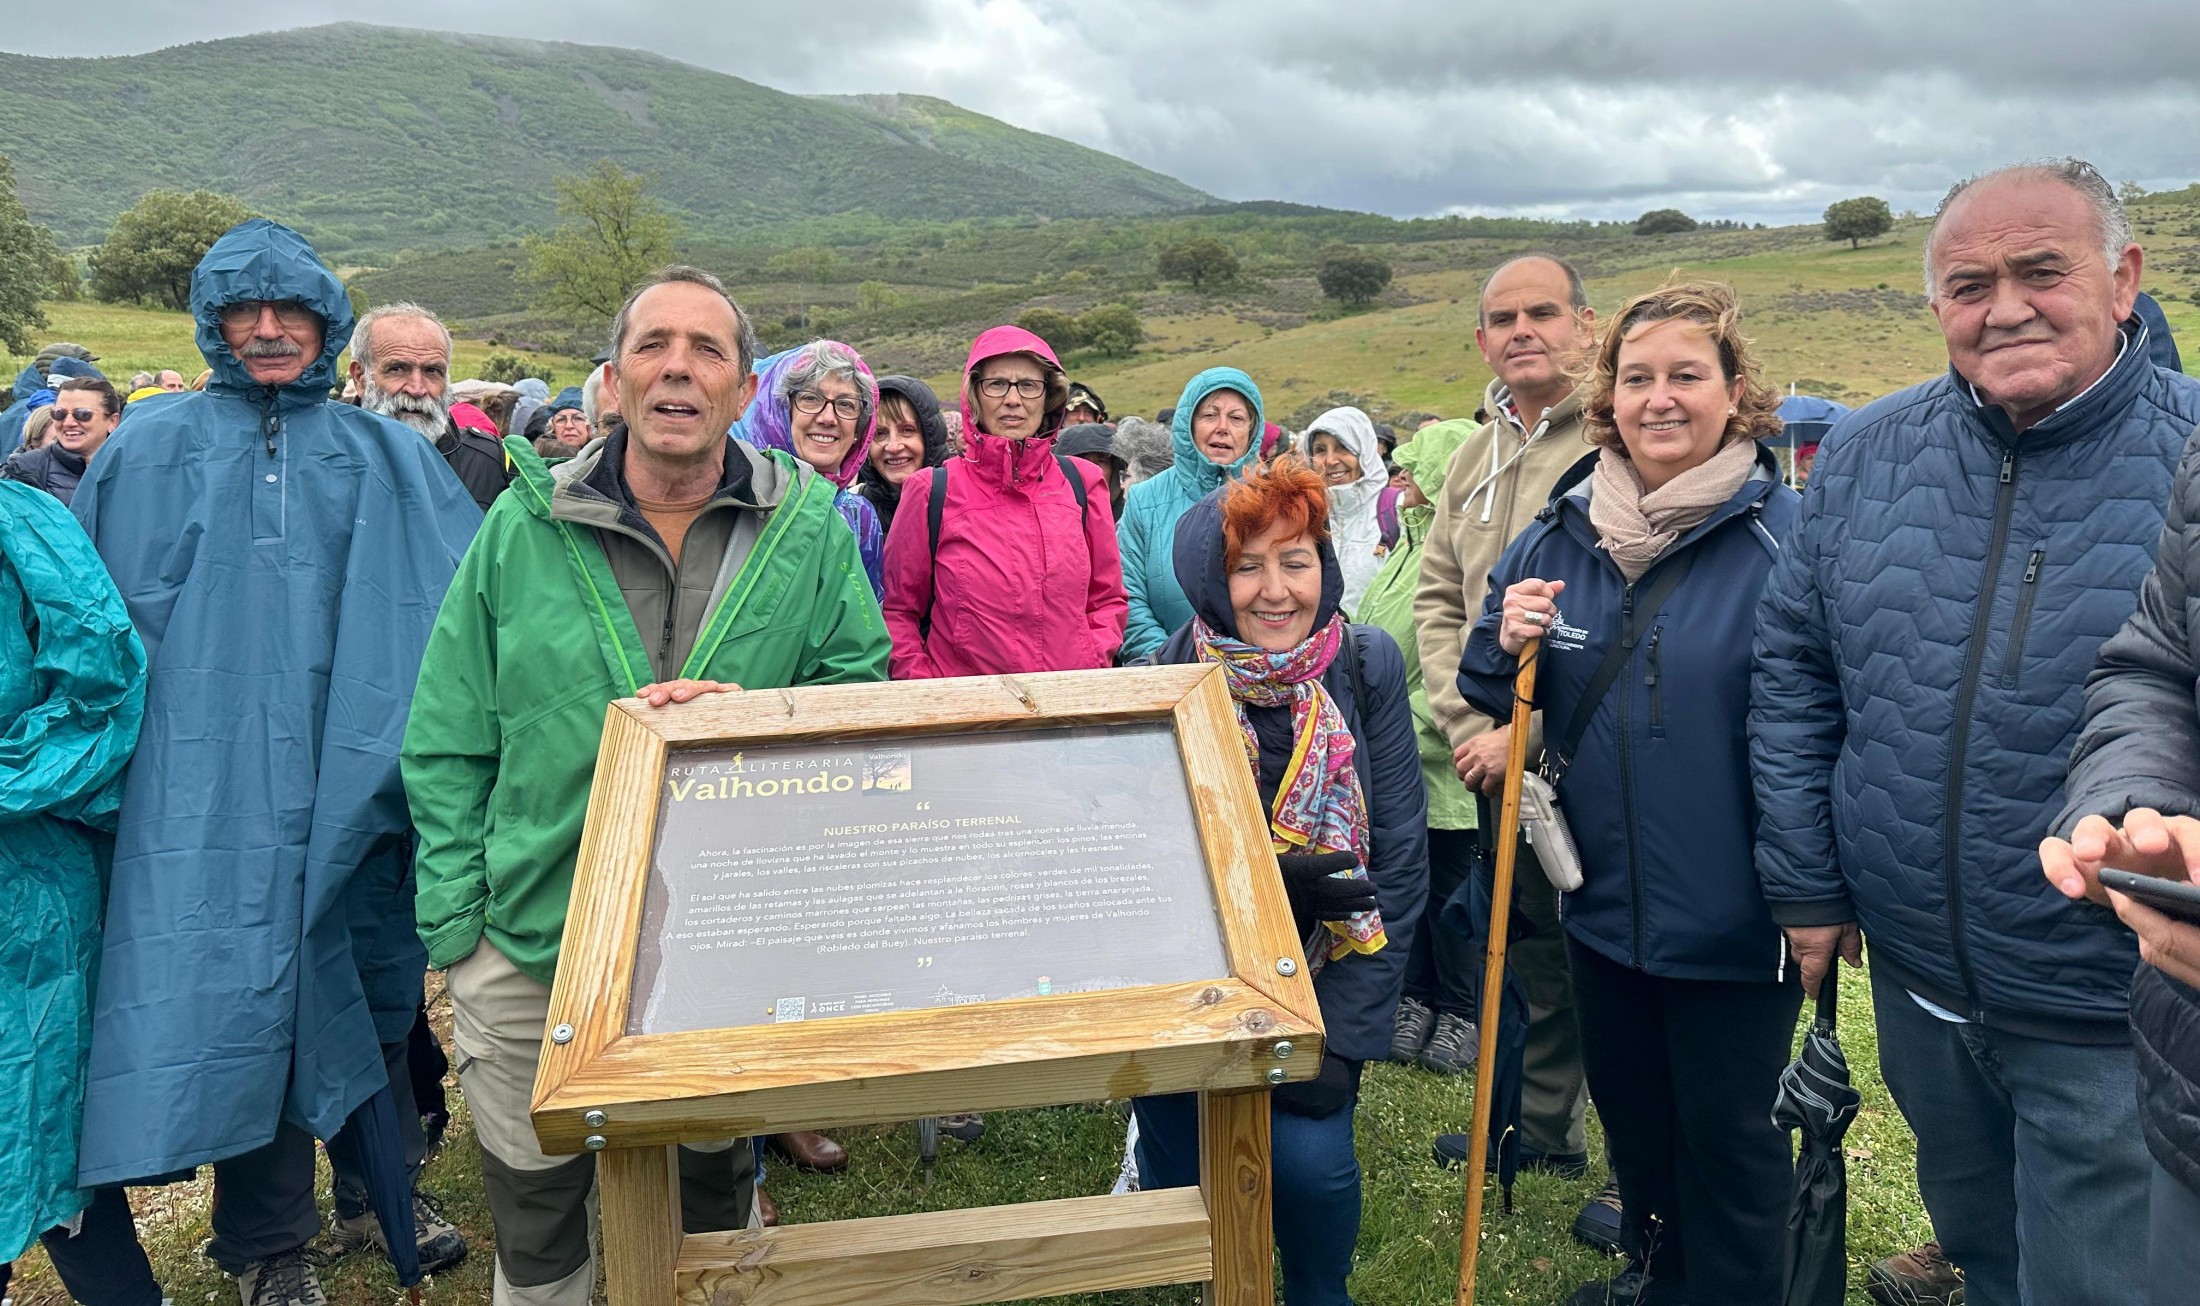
2177,898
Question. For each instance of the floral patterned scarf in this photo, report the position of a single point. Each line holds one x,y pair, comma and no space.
1319,807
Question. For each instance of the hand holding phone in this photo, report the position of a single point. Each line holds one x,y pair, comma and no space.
2179,899
2148,843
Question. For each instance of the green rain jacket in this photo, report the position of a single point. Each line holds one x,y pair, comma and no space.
1388,603
538,634
72,693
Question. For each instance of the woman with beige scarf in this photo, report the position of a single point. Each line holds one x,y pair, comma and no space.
1637,592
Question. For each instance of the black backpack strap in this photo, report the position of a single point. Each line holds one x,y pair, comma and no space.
935,512
1076,482
1668,579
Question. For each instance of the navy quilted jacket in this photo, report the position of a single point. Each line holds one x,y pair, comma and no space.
1658,794
1921,658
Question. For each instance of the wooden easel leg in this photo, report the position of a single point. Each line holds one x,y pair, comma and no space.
1235,1178
638,1190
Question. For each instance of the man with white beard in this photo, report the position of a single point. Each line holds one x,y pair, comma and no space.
401,362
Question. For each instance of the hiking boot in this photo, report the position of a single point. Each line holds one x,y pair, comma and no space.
1411,1030
1598,1224
1630,1287
1451,1049
810,1150
284,1280
1450,1151
968,1127
1922,1276
441,1245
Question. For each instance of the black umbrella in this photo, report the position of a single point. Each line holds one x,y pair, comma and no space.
371,1144
1815,1097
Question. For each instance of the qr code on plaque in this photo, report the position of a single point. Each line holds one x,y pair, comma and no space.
787,1009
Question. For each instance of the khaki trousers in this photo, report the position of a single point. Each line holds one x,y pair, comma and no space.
544,1206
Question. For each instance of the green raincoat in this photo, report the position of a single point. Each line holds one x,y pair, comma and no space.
1388,603
72,693
535,639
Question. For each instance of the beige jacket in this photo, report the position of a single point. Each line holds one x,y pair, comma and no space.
1493,488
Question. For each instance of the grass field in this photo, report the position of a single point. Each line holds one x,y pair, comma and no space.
1408,1251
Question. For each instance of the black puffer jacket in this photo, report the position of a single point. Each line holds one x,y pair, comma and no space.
886,498
2141,748
49,467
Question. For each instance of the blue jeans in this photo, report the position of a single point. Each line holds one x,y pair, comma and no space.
1317,1180
2022,1144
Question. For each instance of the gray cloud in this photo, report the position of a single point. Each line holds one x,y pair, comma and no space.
1566,108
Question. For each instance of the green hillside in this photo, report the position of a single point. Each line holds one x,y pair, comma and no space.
376,140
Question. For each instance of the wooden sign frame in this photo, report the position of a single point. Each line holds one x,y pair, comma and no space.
1231,1039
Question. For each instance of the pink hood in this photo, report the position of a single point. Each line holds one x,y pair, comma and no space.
1015,340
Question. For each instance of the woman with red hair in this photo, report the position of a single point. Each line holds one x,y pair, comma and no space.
1329,735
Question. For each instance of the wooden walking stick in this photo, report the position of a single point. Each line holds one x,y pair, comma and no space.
1493,970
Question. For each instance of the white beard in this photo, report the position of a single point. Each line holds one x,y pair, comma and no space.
428,416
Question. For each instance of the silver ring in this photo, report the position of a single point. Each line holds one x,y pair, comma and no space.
1535,617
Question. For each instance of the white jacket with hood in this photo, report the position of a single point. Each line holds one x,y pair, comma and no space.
1353,528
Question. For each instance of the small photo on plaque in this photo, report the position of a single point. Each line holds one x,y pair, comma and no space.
888,771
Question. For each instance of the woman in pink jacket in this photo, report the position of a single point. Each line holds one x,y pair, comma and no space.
1023,574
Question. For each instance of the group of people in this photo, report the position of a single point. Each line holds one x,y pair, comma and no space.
301,699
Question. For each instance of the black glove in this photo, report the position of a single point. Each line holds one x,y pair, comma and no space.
1324,1095
1318,893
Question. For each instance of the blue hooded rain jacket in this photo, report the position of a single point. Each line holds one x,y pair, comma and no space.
283,559
1150,512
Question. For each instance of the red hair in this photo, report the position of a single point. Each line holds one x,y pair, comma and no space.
1288,495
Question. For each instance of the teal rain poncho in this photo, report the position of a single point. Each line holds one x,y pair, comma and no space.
283,558
72,691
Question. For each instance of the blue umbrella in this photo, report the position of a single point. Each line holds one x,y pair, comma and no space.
370,1143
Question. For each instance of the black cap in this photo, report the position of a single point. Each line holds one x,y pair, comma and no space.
1083,396
1088,438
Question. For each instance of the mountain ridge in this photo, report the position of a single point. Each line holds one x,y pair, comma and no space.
380,139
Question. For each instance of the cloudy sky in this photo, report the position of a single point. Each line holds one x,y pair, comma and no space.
1588,108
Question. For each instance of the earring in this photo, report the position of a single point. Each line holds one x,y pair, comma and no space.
1731,410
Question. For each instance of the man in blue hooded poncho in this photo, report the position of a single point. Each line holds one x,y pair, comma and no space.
283,559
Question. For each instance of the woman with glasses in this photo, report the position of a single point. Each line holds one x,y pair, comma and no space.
1214,432
820,404
84,415
1015,567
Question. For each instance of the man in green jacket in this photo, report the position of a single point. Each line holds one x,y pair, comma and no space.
664,562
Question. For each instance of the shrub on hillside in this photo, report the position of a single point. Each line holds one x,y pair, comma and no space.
153,248
27,266
1055,327
510,369
1662,222
1112,330
1859,219
1351,275
1204,262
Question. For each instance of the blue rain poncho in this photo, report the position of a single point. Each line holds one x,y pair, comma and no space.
283,559
72,689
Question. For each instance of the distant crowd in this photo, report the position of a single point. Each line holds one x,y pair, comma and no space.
303,672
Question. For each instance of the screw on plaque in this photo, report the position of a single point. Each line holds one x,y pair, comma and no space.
564,1033
1286,966
1283,1050
597,1142
597,1119
1276,1076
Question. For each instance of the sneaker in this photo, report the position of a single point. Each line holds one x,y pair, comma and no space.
1451,1049
1598,1224
284,1280
1922,1276
968,1127
1630,1287
1415,1019
441,1245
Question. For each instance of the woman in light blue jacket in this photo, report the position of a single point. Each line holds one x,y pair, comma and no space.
1216,434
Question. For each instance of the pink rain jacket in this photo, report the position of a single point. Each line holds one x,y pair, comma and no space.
1023,581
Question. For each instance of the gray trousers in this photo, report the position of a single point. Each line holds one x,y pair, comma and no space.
544,1206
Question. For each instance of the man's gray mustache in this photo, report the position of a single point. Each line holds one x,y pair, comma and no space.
279,347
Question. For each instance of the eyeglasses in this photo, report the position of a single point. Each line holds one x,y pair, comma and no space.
997,387
77,414
288,312
810,401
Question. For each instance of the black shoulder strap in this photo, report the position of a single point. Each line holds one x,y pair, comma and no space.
935,509
1076,482
1644,605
